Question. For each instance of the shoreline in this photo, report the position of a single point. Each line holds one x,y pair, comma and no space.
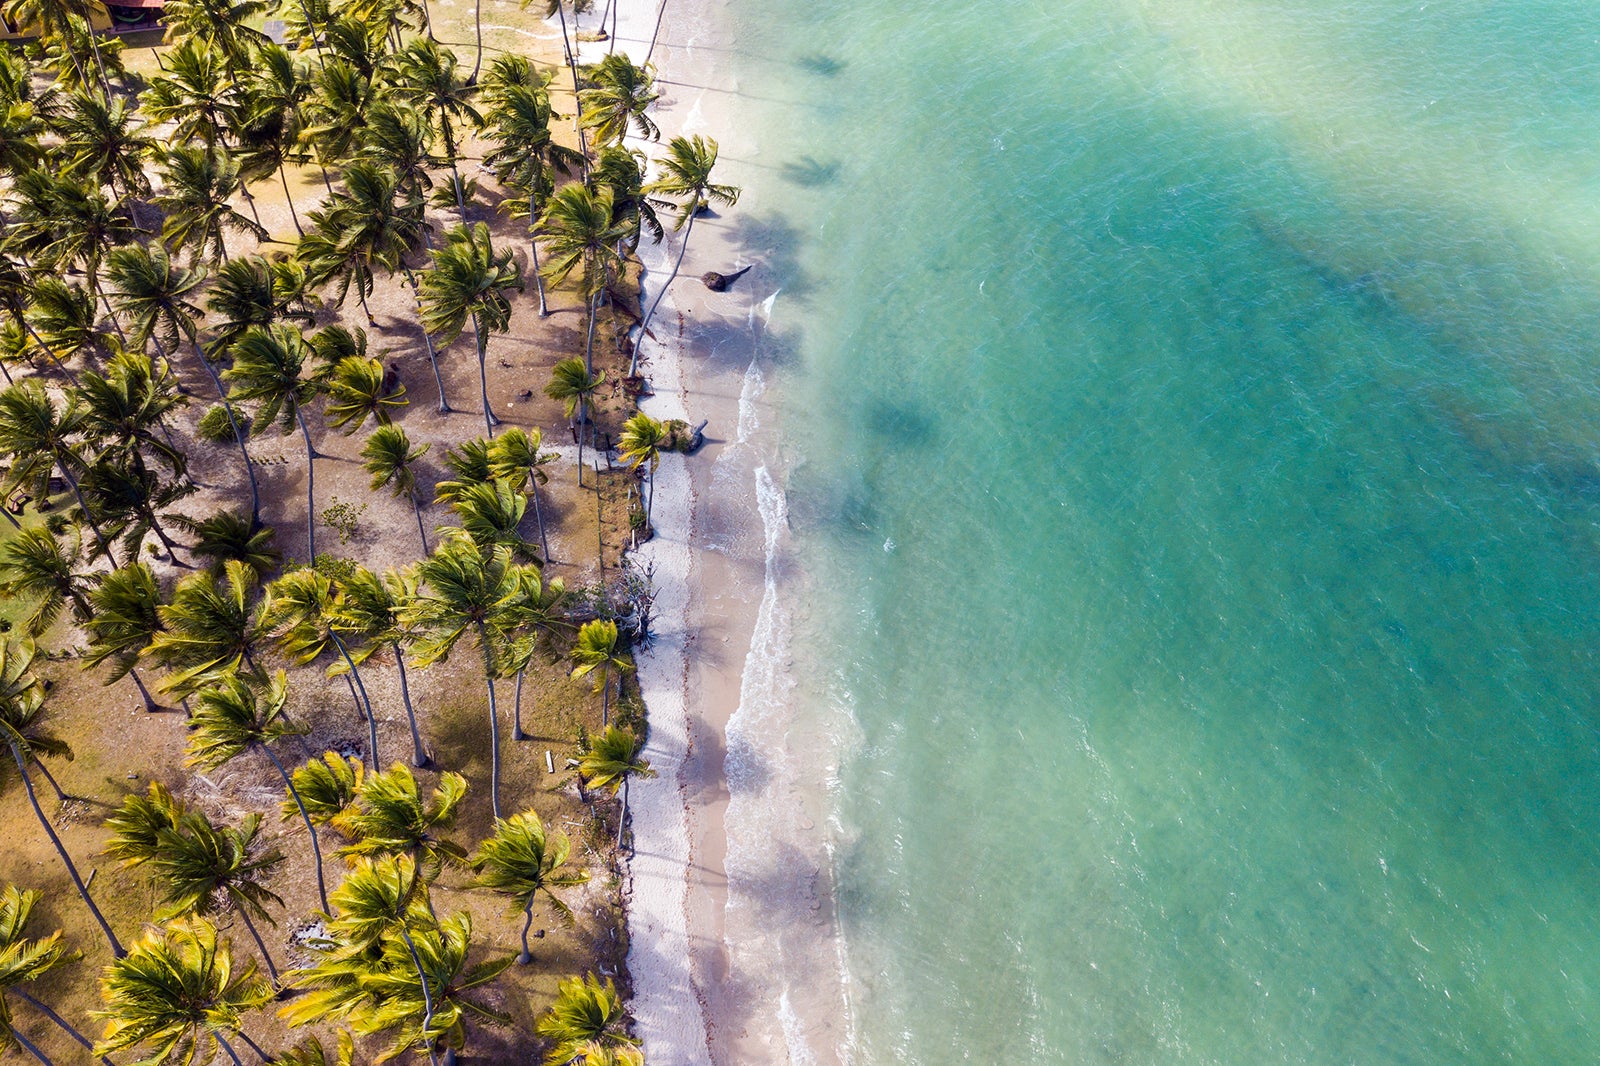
727,846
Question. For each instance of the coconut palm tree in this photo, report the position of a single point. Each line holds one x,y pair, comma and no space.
24,960
390,817
35,566
267,118
582,235
426,78
131,498
370,618
268,368
226,27
611,761
596,649
52,17
63,223
177,995
538,609
233,716
491,514
469,463
226,535
324,789
586,1021
685,177
391,460
619,97
125,411
336,110
102,142
65,323
515,458
642,438
251,291
621,170
197,183
195,92
469,279
300,610
124,617
23,732
39,437
546,8
366,226
156,296
520,861
359,389
574,385
210,627
468,590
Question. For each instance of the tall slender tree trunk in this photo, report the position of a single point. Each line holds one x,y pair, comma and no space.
61,850
605,696
417,510
489,420
288,196
238,434
94,526
533,247
644,323
427,995
311,489
477,23
588,341
660,14
419,757
494,722
622,818
311,830
577,101
61,1023
527,923
544,541
372,721
427,338
516,712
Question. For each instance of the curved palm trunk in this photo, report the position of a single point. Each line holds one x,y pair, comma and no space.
527,922
516,711
372,722
61,1023
544,541
61,850
283,177
489,420
593,303
577,101
150,705
311,487
77,492
494,723
533,246
450,144
232,1054
427,338
311,830
419,757
261,945
605,695
660,14
238,435
427,21
427,995
644,324
477,22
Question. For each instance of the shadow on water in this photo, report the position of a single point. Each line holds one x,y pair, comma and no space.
825,66
809,172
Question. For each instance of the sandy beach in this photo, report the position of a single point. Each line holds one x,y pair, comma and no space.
732,934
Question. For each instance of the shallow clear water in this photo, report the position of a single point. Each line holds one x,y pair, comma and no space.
1191,412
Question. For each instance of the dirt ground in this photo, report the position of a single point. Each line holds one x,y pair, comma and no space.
120,748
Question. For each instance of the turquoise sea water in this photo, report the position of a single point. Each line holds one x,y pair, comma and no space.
1194,419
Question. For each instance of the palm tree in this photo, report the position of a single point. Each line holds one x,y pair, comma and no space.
619,97
23,731
642,438
370,613
177,995
64,321
596,649
586,1021
468,590
156,296
366,226
611,761
427,79
196,864
468,278
557,8
124,617
267,368
391,460
250,291
390,817
686,177
621,170
520,861
233,716
574,385
226,535
527,158
470,466
268,119
101,142
124,409
35,566
537,609
300,610
515,458
39,437
197,183
64,222
324,789
53,17
23,960
582,235
130,497
222,26
491,513
359,389
195,92
210,628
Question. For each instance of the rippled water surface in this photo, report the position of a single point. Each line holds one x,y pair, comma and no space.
1192,411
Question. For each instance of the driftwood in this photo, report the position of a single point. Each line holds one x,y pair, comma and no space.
722,282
